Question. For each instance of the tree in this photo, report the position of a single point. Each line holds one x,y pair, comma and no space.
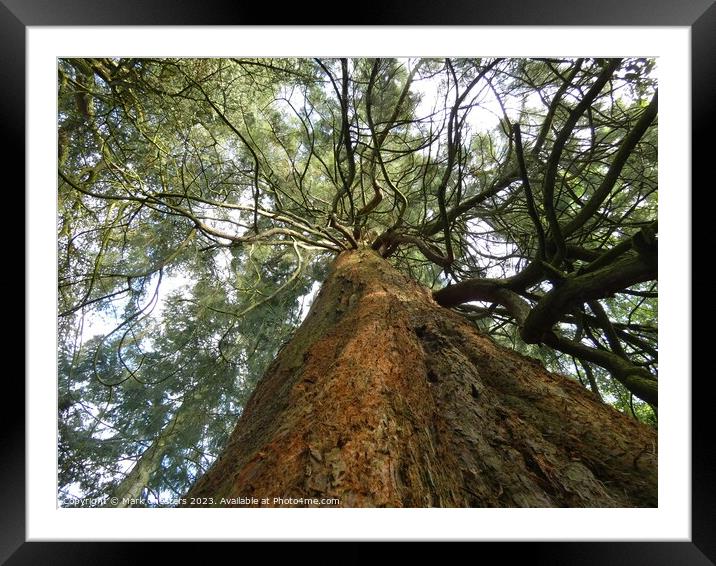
521,193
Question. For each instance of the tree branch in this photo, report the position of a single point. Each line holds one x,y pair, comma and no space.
636,379
631,269
544,130
484,290
625,150
432,254
531,209
550,177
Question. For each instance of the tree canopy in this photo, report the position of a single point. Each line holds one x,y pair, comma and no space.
201,201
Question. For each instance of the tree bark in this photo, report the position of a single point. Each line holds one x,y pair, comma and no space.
383,398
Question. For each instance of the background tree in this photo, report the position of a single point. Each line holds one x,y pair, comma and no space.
522,192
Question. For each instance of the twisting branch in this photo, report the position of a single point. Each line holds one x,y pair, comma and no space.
379,139
631,269
484,290
343,230
342,95
453,142
609,331
636,379
645,235
544,130
437,224
375,201
531,209
625,150
243,139
550,177
389,239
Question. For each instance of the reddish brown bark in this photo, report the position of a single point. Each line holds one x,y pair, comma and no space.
384,398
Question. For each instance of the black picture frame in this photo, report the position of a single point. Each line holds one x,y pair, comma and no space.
699,15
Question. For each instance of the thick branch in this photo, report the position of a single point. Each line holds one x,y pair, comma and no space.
484,290
607,327
636,379
429,252
631,269
375,201
645,238
333,222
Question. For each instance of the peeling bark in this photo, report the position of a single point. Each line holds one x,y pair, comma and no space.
383,398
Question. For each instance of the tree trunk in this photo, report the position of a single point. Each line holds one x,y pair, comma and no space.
385,399
128,492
